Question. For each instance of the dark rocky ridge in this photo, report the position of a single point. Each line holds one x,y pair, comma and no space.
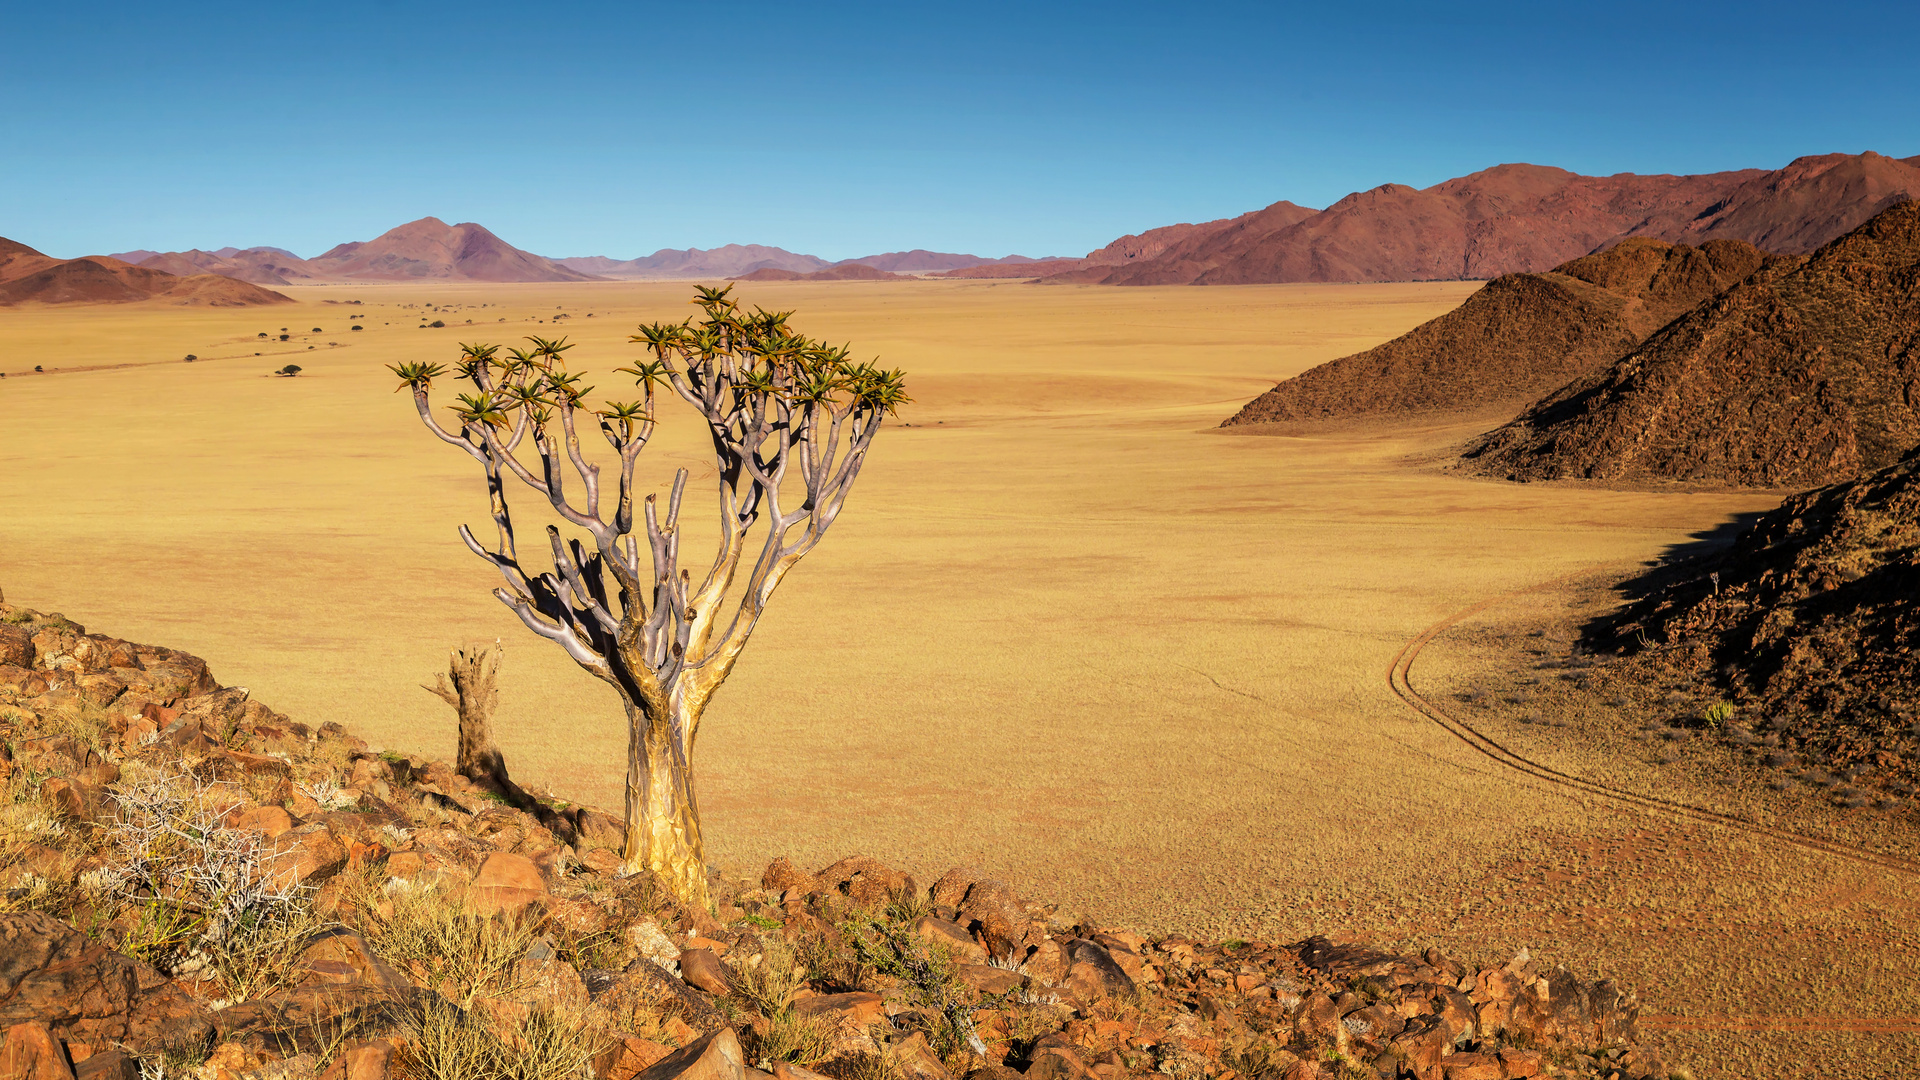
1518,337
1798,376
1809,625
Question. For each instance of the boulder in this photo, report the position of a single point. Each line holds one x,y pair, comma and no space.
340,957
268,821
984,979
951,890
599,829
865,880
644,988
1092,973
856,1009
702,968
1055,1058
628,1057
916,1060
362,1061
714,1057
16,646
30,1052
307,856
107,1065
51,973
783,877
1472,1067
22,680
952,937
992,911
507,882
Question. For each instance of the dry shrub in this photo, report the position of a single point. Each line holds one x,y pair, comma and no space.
449,1043
769,975
436,933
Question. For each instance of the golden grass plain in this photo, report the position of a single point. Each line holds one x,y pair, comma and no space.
1065,630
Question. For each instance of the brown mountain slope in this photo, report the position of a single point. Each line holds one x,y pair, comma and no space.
841,272
921,261
1508,219
1518,337
1039,268
1179,254
430,248
26,276
195,261
725,261
1792,378
1798,208
1808,624
1101,263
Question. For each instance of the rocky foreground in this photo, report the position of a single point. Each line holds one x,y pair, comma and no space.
192,884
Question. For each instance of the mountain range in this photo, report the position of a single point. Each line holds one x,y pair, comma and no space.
27,275
1515,218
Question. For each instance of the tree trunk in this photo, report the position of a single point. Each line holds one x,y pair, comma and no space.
473,694
663,821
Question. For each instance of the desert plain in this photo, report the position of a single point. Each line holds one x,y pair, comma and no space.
1066,629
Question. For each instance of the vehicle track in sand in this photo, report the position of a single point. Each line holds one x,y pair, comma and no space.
1399,678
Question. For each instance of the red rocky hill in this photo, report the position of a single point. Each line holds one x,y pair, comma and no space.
27,276
1798,208
430,248
1518,337
1799,376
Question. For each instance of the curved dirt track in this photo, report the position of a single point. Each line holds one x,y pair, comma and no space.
1399,677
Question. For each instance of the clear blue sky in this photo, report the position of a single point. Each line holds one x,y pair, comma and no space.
847,129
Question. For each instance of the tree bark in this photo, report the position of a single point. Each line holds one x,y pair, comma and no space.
473,694
663,818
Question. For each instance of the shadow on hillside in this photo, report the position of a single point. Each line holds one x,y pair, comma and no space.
1684,566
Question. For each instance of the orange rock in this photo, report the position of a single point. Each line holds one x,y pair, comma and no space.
716,1057
987,979
916,1059
787,1070
361,1061
269,821
628,1058
307,856
507,882
703,969
1471,1067
857,1009
32,1053
957,941
1522,1063
601,860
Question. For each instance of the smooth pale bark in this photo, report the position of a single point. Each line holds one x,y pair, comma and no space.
663,815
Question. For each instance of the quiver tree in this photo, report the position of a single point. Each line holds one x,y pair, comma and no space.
790,420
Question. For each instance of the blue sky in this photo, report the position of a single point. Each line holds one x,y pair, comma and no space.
848,129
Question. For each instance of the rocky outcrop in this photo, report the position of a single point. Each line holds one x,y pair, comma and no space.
443,918
1808,627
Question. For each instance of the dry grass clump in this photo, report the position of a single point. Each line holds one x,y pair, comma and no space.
449,1043
433,932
